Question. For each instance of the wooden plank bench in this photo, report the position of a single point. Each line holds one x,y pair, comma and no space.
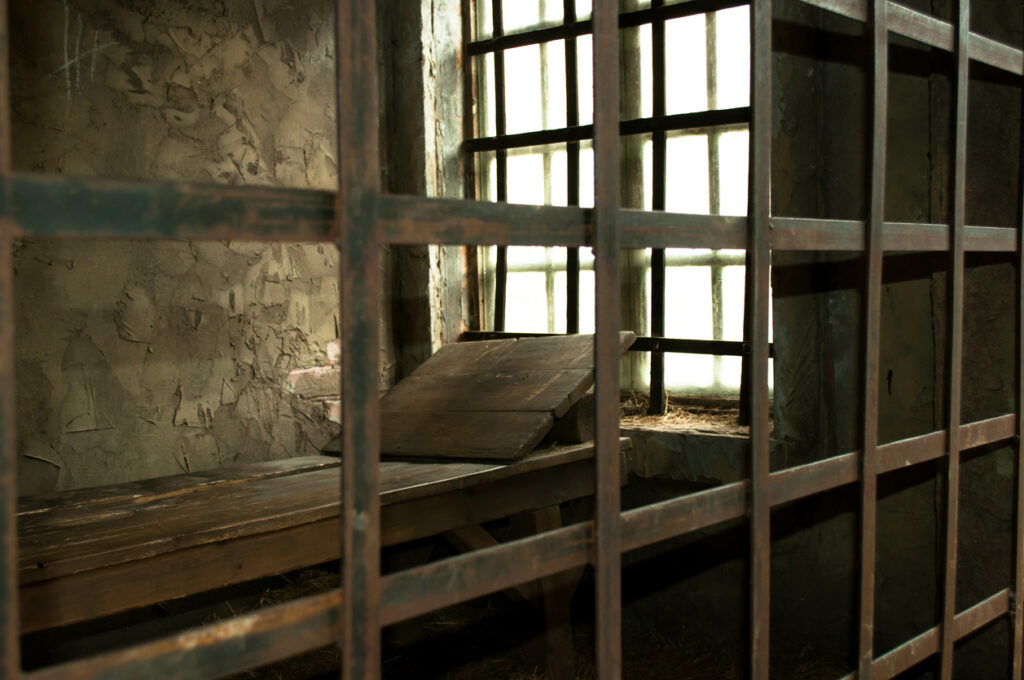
93,552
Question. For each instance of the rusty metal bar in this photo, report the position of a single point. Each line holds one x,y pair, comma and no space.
572,152
758,303
1018,576
501,268
912,652
218,649
10,663
608,559
359,287
933,32
659,90
723,118
872,334
66,207
956,305
577,28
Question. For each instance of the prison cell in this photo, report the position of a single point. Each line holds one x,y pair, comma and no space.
360,218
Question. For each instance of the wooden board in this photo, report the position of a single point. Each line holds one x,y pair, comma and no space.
491,400
552,353
75,561
533,390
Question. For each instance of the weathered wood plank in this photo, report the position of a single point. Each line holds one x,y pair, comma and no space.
461,494
151,489
500,435
540,354
520,390
83,537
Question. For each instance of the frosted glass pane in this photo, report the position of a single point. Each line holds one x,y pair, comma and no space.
585,66
526,179
518,15
686,174
523,89
686,65
525,308
733,57
733,161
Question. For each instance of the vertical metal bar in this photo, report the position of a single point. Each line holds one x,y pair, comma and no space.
10,663
608,564
359,184
714,183
1018,579
501,269
872,334
572,118
758,304
956,306
659,85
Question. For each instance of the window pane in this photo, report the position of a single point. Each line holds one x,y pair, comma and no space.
686,174
518,15
487,108
686,65
484,23
525,309
733,159
538,175
733,57
535,87
585,71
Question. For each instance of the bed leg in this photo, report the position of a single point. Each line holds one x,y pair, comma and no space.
559,655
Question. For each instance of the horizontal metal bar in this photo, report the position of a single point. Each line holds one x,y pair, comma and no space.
717,118
226,647
436,585
806,480
577,28
674,258
798,233
931,31
47,205
66,207
912,652
640,344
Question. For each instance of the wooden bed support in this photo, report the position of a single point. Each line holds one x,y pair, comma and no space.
94,552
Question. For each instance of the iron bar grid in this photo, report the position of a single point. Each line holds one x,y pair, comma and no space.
294,627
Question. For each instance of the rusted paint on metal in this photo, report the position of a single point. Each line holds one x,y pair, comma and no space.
955,358
10,664
1017,663
758,305
872,334
359,183
218,649
608,560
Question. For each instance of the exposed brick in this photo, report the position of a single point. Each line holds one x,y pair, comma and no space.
319,381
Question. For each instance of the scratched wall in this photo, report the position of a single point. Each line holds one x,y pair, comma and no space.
138,359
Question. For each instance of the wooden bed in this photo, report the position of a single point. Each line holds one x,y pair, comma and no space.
89,553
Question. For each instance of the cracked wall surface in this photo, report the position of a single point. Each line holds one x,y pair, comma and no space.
144,358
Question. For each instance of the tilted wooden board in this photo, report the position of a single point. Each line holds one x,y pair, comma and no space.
489,400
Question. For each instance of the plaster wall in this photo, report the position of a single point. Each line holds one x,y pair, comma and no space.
144,358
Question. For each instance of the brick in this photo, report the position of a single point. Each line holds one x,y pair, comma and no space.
319,381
